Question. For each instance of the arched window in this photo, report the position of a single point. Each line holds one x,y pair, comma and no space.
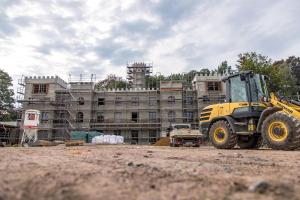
171,116
79,117
171,100
81,101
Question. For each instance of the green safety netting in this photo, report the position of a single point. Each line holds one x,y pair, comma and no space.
86,136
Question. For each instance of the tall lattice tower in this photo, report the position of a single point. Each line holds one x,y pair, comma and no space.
137,73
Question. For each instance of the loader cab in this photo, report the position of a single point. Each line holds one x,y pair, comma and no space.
245,93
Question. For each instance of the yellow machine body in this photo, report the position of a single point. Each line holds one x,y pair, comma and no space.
247,123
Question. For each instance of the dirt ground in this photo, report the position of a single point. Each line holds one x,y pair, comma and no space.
147,172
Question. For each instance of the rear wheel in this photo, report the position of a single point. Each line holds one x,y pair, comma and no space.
281,131
250,142
222,136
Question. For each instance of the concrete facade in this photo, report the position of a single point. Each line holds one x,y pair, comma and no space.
39,94
209,88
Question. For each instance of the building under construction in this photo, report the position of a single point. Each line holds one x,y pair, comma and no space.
137,112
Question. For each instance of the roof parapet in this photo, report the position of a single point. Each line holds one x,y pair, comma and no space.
55,79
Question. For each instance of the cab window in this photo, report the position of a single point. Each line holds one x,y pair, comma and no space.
257,89
238,90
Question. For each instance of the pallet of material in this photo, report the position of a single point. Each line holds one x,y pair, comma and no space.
74,143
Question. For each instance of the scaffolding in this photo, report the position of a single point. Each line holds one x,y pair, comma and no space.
140,114
137,73
82,79
118,109
57,113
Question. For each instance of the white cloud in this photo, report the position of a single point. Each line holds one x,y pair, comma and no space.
102,36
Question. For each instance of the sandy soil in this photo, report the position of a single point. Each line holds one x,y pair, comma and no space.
146,172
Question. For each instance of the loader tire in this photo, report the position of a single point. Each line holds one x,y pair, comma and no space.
222,136
253,142
281,131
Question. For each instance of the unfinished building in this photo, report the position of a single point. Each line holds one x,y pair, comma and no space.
140,114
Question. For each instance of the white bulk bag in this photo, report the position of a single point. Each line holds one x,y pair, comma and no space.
101,139
113,139
120,139
106,139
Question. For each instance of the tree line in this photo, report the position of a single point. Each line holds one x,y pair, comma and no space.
284,74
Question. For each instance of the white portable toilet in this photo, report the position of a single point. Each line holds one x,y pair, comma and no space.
31,124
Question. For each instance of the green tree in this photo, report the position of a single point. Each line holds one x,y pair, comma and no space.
205,71
255,62
190,76
281,79
154,81
294,64
224,68
258,64
285,79
112,81
7,112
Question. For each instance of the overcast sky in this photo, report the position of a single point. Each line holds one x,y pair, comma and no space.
44,37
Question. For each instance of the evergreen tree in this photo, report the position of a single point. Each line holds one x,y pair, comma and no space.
7,112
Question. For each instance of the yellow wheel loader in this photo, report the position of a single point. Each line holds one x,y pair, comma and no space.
250,116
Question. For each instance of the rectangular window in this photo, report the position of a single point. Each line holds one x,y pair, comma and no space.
213,86
118,101
100,117
134,117
189,116
118,117
19,116
44,116
171,100
238,90
152,137
135,101
101,101
152,116
40,89
189,100
134,137
152,101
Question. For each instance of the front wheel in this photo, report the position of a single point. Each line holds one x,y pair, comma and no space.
281,131
222,136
